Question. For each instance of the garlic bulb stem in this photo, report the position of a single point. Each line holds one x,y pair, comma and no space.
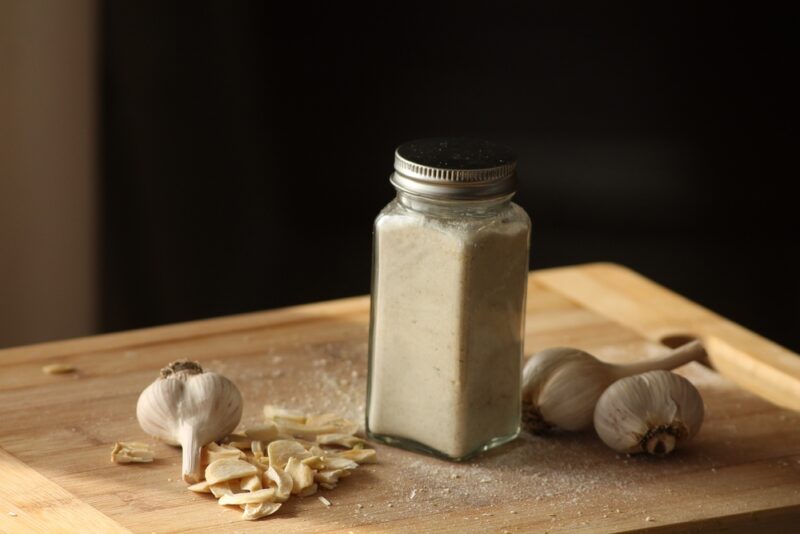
191,453
682,355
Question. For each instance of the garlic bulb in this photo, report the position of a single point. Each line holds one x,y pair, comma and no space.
560,386
652,412
190,408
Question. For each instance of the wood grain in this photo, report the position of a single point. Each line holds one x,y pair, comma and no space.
742,472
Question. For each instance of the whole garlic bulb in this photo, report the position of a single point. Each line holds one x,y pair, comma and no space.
191,408
560,386
653,412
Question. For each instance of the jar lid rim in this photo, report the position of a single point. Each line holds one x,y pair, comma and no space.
455,168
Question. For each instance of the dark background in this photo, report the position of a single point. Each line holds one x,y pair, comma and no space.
247,148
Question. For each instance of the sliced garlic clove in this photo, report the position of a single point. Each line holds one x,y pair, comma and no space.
277,413
127,452
251,483
315,462
255,497
220,489
302,475
257,511
214,452
344,440
257,447
336,462
228,469
330,476
281,450
266,432
283,482
361,456
311,490
200,487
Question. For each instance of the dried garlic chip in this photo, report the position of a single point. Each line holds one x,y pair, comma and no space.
311,431
228,469
221,488
362,456
344,440
281,450
311,490
251,483
316,450
215,452
235,436
257,446
266,432
282,414
344,426
257,511
330,476
200,487
58,368
327,486
283,482
128,452
255,497
336,462
315,462
302,475
241,445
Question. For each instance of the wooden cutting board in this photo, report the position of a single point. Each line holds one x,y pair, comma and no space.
742,473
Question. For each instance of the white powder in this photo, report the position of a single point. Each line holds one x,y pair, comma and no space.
448,300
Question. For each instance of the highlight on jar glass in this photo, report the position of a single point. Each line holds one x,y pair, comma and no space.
450,271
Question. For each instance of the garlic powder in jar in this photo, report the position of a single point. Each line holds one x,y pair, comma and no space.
448,301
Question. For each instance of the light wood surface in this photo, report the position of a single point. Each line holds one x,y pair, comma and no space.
741,474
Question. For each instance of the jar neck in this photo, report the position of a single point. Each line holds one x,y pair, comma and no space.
453,208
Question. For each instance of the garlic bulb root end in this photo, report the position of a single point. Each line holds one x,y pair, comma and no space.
661,441
532,419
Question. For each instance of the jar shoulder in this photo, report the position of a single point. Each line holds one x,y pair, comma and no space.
510,216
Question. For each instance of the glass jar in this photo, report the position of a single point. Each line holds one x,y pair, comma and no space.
450,271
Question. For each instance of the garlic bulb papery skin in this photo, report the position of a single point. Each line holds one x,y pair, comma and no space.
653,412
191,408
561,385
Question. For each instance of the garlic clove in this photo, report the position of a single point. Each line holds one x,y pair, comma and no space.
653,412
191,408
561,385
